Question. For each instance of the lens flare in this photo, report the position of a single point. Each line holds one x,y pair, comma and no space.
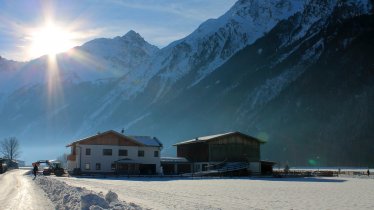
263,136
312,162
50,39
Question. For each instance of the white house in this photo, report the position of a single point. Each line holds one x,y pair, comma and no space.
113,152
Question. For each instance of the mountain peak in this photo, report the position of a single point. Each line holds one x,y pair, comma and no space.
133,35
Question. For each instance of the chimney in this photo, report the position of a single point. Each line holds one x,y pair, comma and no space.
123,131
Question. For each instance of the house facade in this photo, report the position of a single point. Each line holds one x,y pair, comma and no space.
113,152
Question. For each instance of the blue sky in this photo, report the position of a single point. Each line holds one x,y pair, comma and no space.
158,21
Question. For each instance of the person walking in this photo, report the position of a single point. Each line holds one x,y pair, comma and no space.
35,170
368,172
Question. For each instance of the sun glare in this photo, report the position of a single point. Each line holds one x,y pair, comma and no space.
50,40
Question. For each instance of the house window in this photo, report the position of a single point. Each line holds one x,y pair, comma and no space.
88,151
98,166
122,152
141,153
87,166
156,154
107,152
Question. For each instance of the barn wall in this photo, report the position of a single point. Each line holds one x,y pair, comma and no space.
232,148
197,152
234,152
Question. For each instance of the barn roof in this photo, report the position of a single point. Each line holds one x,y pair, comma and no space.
141,140
213,137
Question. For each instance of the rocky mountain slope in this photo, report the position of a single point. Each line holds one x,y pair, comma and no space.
194,57
306,87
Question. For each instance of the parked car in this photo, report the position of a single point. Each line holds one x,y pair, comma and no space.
11,164
3,166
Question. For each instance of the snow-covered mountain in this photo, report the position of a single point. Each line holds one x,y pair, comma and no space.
8,69
8,65
125,53
96,60
273,88
42,89
211,44
260,68
26,88
198,54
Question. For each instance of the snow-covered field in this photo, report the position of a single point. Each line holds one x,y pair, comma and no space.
235,193
19,191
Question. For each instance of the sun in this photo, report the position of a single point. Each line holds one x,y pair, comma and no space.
50,39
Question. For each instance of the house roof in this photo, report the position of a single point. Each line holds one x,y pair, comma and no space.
147,140
213,137
141,140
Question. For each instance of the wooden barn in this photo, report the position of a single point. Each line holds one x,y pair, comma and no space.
224,152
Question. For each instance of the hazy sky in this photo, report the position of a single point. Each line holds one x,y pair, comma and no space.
158,21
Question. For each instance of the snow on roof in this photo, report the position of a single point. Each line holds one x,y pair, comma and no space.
144,140
147,140
211,137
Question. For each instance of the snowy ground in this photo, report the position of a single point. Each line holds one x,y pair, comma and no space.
18,191
68,197
270,193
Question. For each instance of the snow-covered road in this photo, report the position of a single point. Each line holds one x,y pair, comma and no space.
17,191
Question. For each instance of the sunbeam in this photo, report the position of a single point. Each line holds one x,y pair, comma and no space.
55,91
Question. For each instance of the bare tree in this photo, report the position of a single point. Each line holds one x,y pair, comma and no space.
10,148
